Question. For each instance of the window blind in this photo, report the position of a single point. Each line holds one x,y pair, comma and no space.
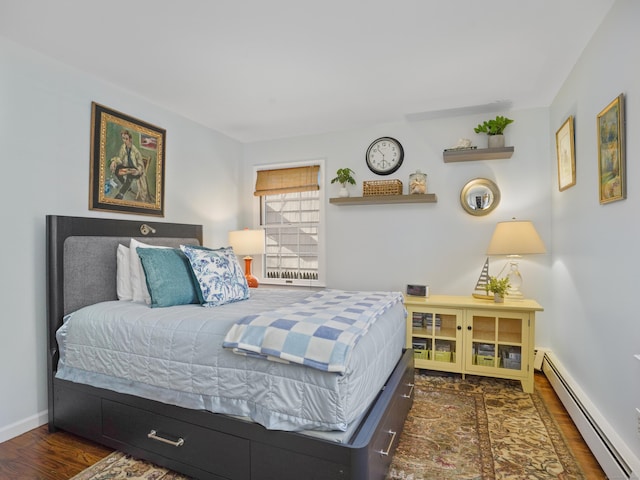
287,180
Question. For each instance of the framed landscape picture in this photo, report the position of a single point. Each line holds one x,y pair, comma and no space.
127,165
611,154
565,151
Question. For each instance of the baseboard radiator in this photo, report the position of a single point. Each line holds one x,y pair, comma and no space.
598,435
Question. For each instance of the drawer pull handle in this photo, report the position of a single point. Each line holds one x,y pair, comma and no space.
153,435
408,395
385,453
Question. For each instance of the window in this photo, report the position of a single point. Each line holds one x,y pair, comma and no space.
292,223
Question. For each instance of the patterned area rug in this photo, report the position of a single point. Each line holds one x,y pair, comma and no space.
480,428
473,429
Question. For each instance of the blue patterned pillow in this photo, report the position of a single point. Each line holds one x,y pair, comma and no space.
168,276
218,274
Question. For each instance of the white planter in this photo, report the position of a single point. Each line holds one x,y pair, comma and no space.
343,191
496,141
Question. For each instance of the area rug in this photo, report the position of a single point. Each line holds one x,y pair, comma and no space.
472,429
480,429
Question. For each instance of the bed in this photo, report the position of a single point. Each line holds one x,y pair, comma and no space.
178,433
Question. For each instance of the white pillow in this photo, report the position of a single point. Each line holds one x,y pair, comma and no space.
123,274
139,290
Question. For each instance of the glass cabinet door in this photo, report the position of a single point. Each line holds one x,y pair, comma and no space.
497,341
510,340
483,347
435,338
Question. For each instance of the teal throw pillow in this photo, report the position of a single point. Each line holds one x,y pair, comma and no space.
168,276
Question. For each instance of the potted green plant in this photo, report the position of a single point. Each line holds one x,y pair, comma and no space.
499,287
344,176
495,130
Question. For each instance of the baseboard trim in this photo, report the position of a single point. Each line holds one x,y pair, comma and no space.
23,426
613,455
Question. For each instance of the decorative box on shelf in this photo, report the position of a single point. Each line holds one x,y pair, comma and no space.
381,187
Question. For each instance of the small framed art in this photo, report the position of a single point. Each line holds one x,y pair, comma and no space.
565,151
127,165
611,152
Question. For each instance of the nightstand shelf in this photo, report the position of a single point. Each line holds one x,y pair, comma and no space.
385,199
450,156
470,336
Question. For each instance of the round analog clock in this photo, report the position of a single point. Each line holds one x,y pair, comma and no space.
384,156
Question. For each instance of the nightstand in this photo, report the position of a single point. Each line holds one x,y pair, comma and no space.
465,335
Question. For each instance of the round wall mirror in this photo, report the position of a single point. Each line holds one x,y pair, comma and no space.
479,196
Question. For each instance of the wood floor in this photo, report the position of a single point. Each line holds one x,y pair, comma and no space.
580,449
40,455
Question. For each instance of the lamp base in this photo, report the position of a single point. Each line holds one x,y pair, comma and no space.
515,279
513,295
251,280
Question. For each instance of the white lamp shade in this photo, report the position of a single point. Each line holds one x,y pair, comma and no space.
515,237
247,242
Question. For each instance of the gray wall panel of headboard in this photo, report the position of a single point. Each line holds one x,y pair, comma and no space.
89,267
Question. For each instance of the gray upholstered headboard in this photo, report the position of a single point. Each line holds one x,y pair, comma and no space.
89,267
81,263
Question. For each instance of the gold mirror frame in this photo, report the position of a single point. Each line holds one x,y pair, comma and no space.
479,197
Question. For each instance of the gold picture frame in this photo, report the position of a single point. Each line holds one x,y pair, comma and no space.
611,152
565,151
127,165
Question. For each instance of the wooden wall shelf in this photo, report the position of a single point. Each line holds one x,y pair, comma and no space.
477,154
382,199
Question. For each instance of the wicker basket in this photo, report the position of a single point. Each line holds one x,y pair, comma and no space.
381,187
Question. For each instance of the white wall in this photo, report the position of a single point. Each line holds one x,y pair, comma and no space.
595,329
388,246
45,117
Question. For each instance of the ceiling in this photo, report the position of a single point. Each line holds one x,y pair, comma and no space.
265,69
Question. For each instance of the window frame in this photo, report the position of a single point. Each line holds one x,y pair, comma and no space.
260,266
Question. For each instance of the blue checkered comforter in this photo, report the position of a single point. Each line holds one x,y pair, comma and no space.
320,331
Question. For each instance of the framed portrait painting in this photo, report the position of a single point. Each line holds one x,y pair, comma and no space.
611,152
127,165
565,151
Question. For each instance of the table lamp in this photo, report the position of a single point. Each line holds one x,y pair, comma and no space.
248,242
514,239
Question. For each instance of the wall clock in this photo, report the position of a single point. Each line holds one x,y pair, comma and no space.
384,156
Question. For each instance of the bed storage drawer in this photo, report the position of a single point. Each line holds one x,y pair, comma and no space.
219,453
386,438
387,415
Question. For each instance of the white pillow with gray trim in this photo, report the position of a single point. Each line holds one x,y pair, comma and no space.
139,290
123,274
